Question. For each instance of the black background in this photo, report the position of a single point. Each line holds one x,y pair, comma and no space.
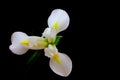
81,41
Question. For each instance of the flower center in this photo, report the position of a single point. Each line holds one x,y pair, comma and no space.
25,42
55,25
56,58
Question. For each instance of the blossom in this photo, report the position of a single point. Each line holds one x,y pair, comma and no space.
58,21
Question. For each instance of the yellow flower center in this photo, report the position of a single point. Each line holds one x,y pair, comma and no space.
56,58
55,25
25,42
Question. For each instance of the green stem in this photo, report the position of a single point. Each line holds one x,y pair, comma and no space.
57,40
35,55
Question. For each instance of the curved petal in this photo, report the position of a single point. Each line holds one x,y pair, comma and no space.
18,37
50,51
59,19
64,67
18,49
49,33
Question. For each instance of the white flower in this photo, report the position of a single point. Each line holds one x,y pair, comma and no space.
60,63
58,21
21,42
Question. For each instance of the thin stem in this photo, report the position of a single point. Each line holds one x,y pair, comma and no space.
35,55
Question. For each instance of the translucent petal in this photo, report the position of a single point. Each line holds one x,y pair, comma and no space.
18,37
64,68
18,49
58,19
49,33
50,51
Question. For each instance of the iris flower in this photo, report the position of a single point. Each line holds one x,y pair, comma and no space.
58,21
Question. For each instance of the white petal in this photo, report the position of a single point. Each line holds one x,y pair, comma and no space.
64,68
18,49
60,16
49,33
50,51
18,37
